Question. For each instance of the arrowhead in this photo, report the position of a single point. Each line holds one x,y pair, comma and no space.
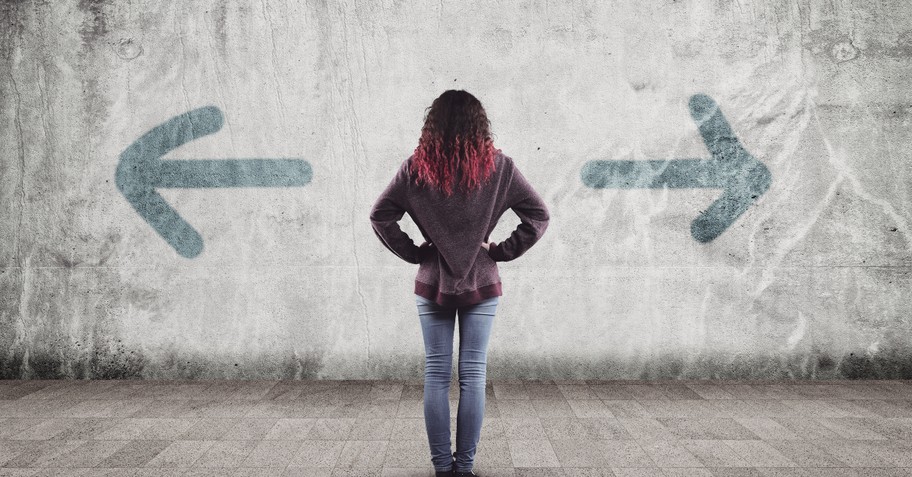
746,178
140,166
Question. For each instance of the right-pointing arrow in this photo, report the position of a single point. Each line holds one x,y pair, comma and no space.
730,167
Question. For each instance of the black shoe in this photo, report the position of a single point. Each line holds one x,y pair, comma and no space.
466,474
444,473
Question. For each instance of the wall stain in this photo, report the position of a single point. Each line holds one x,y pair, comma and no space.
95,25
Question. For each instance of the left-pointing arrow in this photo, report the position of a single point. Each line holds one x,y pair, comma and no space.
141,170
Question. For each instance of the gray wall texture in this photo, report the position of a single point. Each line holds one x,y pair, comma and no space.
121,257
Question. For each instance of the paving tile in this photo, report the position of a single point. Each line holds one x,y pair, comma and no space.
710,391
815,408
626,408
523,429
135,453
490,454
86,428
252,390
410,429
89,454
575,391
851,408
168,409
247,429
272,454
532,453
611,392
378,409
883,408
291,428
106,408
372,430
735,472
547,391
317,453
208,429
407,454
355,408
39,453
683,408
274,409
891,428
850,428
588,408
807,428
624,454
647,428
670,454
168,429
493,428
180,454
43,430
29,408
758,453
412,408
516,408
510,391
578,428
806,453
713,428
712,453
642,392
744,391
580,452
579,471
357,455
636,472
552,408
10,449
687,472
126,429
857,453
229,454
751,408
766,428
332,428
17,425
782,471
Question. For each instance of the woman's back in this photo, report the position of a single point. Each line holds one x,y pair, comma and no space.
455,269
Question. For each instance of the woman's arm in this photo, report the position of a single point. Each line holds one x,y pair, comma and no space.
534,217
386,213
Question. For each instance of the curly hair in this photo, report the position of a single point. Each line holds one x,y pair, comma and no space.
455,141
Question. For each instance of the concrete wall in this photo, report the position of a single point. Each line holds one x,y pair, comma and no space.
288,281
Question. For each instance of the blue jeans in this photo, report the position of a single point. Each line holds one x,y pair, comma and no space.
437,325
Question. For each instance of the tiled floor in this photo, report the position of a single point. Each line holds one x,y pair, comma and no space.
535,428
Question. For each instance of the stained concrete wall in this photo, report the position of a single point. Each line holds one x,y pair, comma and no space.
288,281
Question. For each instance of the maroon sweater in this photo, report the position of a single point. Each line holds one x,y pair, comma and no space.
455,270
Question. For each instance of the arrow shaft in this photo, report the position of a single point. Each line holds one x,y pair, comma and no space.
677,173
198,173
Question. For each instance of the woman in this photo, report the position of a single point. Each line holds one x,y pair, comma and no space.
455,186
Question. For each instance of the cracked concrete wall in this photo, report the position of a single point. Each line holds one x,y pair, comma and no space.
812,281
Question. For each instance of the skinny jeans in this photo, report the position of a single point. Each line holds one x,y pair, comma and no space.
437,326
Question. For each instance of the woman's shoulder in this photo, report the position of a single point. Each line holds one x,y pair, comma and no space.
501,159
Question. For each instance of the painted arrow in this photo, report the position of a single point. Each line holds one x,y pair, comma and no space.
730,167
141,171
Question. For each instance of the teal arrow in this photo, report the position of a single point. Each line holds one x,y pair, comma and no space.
141,171
729,167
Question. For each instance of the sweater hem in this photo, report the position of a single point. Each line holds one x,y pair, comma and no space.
459,299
